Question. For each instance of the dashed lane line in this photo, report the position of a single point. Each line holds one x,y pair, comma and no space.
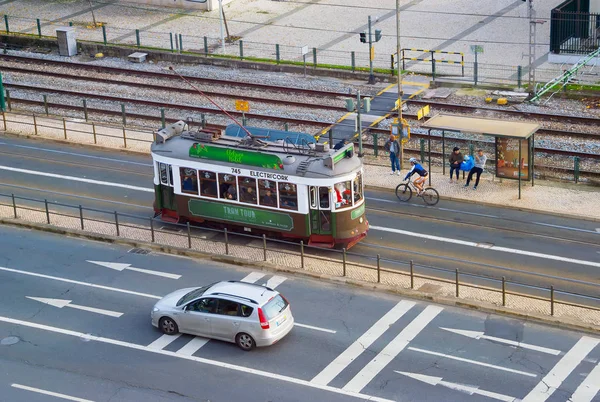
210,362
49,393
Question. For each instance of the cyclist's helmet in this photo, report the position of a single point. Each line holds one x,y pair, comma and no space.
413,160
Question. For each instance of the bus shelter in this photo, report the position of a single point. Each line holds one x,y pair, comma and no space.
514,142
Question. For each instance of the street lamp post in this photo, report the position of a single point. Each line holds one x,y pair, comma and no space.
398,50
221,23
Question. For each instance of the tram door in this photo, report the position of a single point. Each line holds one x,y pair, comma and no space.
320,210
166,184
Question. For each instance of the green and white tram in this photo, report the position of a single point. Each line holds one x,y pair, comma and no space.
285,190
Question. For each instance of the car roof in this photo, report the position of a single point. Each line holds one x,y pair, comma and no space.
254,293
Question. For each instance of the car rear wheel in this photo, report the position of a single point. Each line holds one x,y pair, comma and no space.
245,342
168,326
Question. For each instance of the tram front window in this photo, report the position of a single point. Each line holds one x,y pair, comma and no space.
208,183
267,191
227,186
189,180
357,186
247,187
343,194
288,196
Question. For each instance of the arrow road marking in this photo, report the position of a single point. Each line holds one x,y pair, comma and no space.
480,335
461,359
469,389
49,393
120,267
60,303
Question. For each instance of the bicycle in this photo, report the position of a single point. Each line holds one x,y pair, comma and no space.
404,192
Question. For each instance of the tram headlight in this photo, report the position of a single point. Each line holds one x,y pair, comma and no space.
361,220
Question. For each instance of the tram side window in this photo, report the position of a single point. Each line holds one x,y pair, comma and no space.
267,191
189,180
358,188
247,186
227,186
208,183
288,196
343,194
166,174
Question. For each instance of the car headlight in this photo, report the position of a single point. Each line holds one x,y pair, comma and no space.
155,309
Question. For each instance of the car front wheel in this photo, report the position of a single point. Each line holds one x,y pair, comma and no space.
168,326
245,342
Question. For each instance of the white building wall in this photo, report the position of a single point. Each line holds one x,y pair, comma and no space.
595,6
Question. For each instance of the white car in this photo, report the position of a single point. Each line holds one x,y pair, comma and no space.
247,314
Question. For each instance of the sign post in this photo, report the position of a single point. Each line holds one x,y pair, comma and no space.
304,52
244,107
476,49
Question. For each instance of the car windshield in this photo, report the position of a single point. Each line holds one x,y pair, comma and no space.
274,306
193,295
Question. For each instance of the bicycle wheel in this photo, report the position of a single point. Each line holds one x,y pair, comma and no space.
403,192
430,196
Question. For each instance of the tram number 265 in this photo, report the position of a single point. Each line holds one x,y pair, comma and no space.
236,171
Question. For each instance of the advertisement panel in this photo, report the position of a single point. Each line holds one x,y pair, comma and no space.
507,158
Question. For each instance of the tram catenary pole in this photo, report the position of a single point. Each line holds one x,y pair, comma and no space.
211,101
398,50
221,23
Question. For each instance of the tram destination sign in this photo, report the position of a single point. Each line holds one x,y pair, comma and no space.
243,215
238,156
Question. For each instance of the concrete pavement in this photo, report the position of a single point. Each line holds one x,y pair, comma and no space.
408,351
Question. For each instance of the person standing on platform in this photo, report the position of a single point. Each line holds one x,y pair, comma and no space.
480,160
393,147
456,159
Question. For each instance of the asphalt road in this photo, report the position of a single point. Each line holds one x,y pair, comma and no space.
349,344
474,238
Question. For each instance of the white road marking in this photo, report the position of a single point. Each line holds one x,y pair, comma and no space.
461,359
163,341
468,389
120,267
550,383
49,393
564,227
193,346
214,363
315,328
389,353
80,179
253,277
275,281
361,344
112,289
60,303
92,285
588,389
76,154
480,335
495,248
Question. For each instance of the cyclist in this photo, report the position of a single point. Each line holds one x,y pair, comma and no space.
417,168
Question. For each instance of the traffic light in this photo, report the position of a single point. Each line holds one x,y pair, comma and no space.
377,35
363,36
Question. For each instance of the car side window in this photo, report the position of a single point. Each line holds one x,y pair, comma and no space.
206,305
246,310
228,307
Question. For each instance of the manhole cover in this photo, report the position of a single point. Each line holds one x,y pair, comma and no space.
10,340
138,251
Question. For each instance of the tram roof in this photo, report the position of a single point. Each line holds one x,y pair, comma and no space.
301,165
492,127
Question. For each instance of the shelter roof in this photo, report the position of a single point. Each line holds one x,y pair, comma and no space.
493,127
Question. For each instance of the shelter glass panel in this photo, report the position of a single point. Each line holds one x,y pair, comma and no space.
247,186
288,196
228,186
189,180
208,183
267,191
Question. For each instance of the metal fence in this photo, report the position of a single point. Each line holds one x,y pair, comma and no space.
573,31
297,256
